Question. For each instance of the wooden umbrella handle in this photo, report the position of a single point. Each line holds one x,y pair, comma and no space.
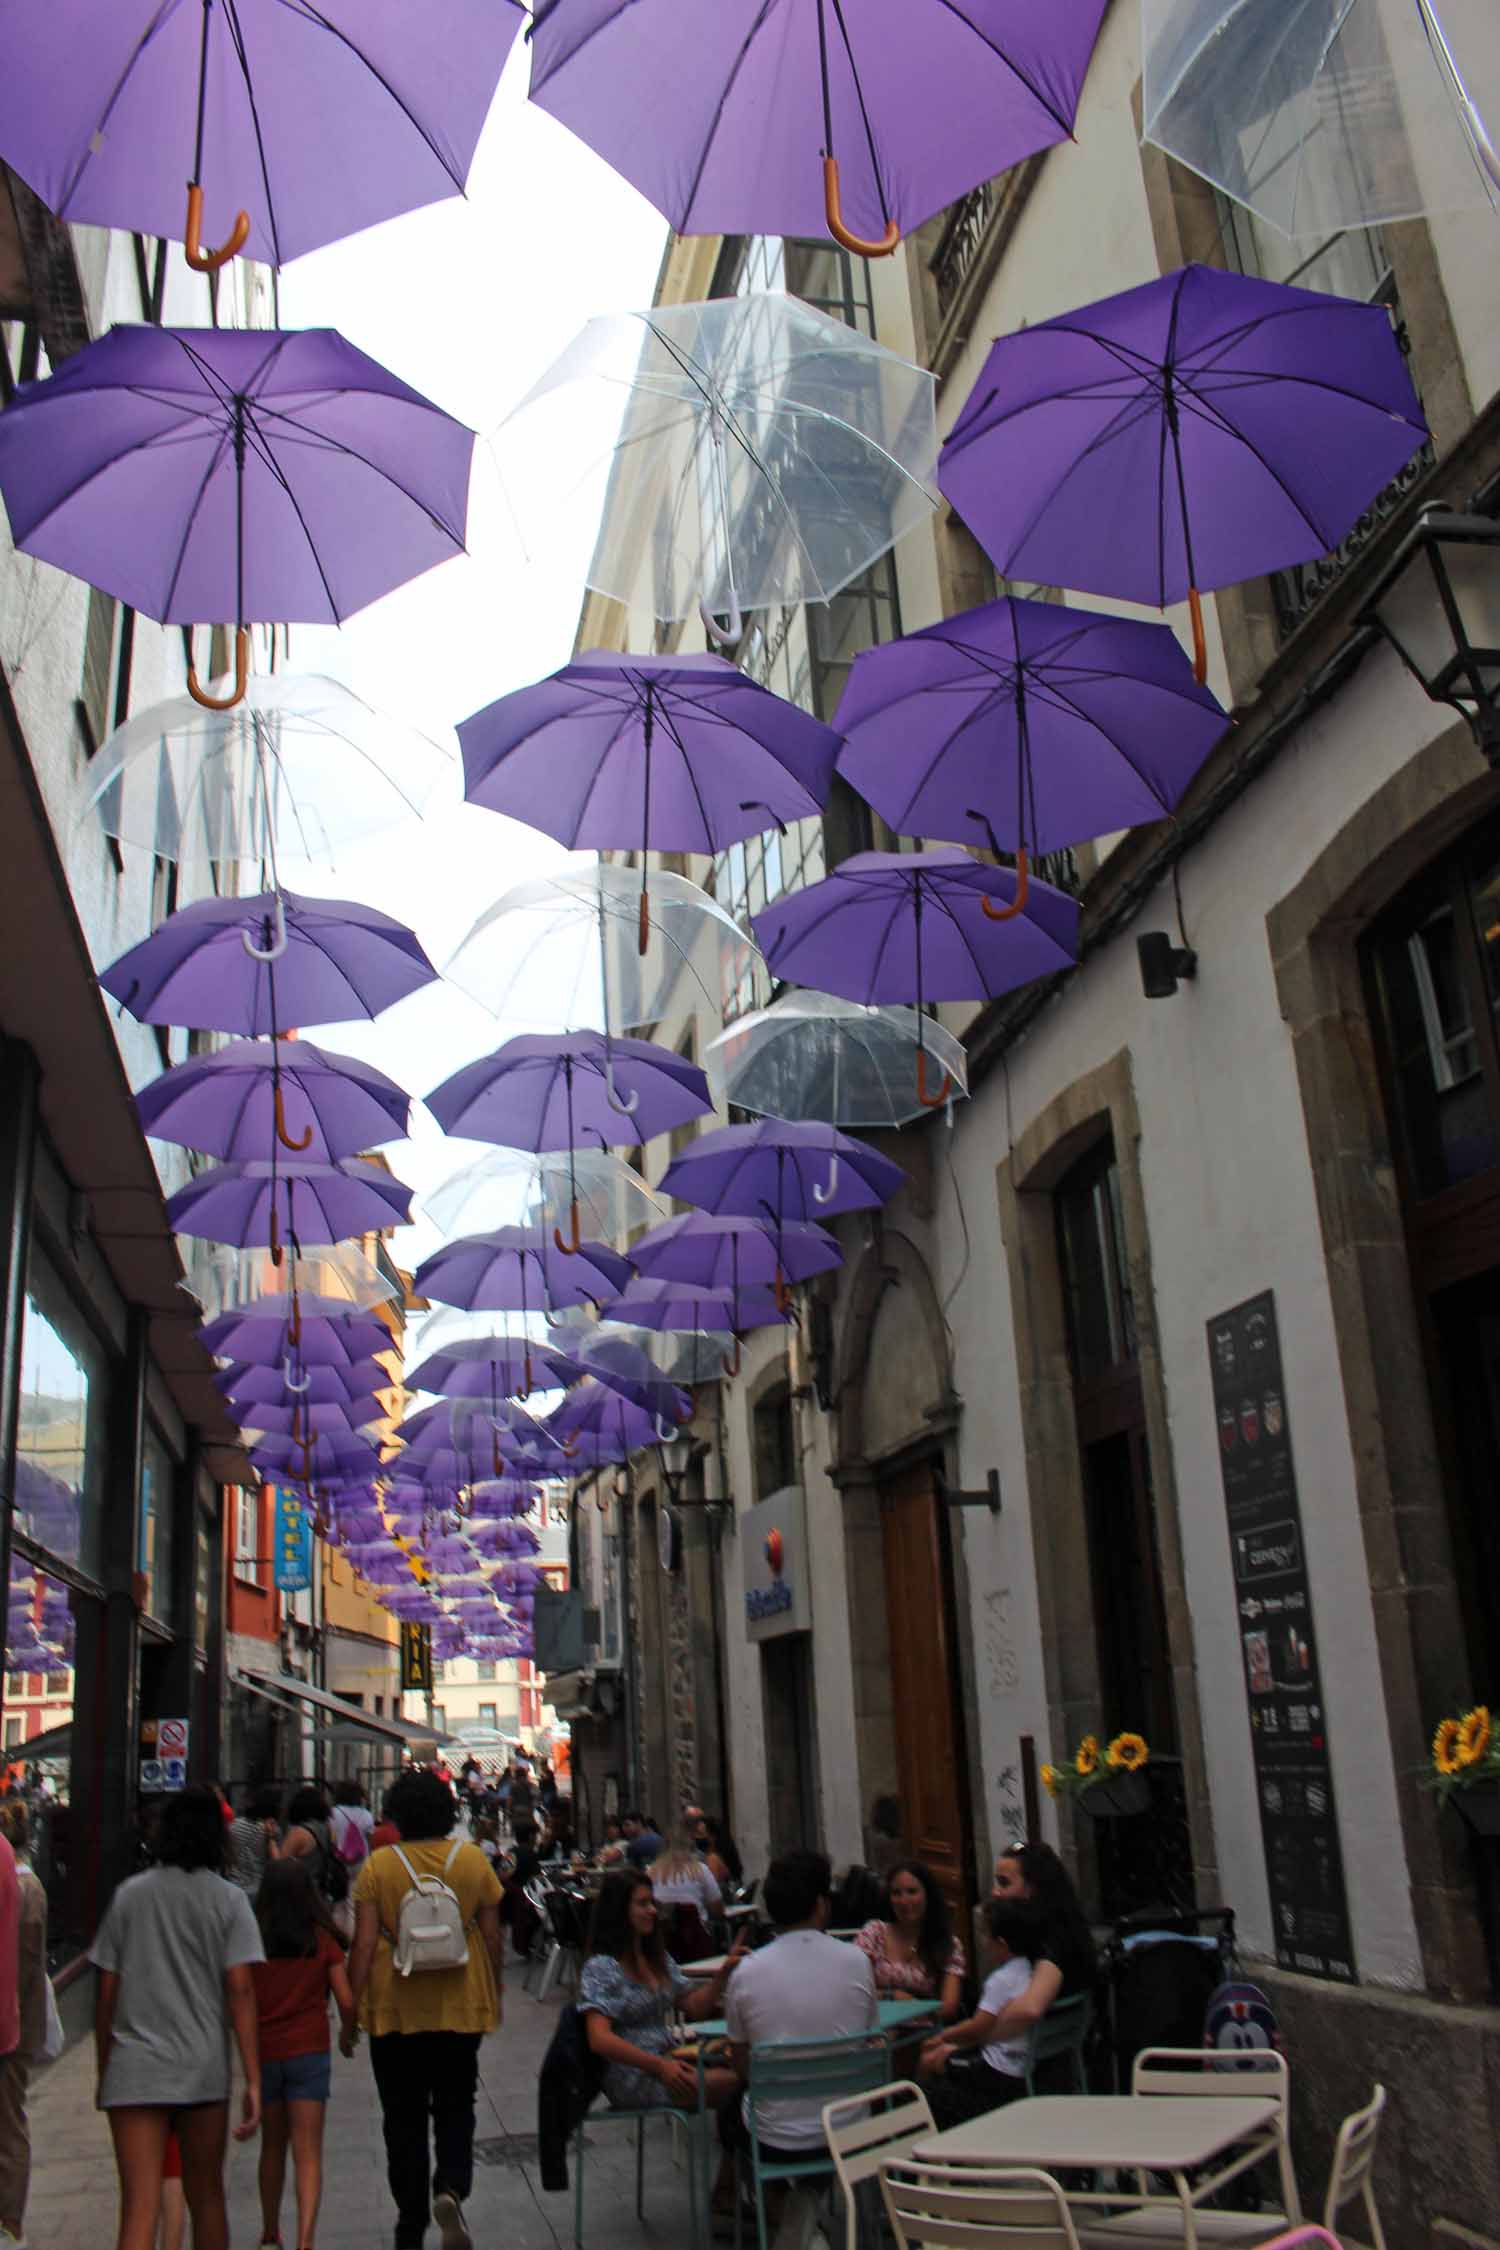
241,677
282,1134
732,1360
930,1101
836,227
1200,643
276,1250
209,261
570,1248
643,924
994,913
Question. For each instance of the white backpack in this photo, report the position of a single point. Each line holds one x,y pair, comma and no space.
430,1929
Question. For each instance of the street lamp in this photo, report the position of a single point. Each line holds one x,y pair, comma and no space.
676,1457
1439,607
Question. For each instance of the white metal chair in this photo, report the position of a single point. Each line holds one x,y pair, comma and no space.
1200,2074
975,2207
864,2131
1353,2161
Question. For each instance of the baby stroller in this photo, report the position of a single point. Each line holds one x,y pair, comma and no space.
1160,1971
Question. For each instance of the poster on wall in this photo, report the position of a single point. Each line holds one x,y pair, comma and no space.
1278,1645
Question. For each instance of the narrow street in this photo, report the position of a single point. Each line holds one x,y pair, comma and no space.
73,2184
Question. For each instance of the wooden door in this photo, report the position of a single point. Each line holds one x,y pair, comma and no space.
924,1683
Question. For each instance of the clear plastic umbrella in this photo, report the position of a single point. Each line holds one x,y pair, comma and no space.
302,766
221,1276
771,453
812,1055
514,1187
1325,114
565,949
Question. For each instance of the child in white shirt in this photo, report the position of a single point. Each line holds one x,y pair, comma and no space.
965,2084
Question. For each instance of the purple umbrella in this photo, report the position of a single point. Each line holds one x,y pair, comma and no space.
688,1305
320,120
294,1417
616,1358
323,1456
262,964
312,1331
918,926
242,1100
674,753
1201,429
249,1204
518,1269
720,1252
779,1170
1026,726
504,1538
544,1092
501,1499
597,1422
491,1367
240,473
921,99
246,1383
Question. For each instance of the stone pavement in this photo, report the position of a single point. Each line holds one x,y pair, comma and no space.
73,2177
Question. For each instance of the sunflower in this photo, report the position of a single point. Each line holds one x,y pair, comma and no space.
1445,1747
1473,1735
1050,1780
1127,1753
1086,1757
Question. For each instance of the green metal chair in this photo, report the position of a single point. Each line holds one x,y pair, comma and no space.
1063,2031
694,2123
812,2072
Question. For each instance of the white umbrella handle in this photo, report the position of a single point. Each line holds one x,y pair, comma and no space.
1474,126
626,1104
717,635
665,1430
715,631
296,1389
277,946
823,1191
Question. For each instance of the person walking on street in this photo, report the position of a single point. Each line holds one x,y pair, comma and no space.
304,1963
426,1972
32,1994
174,1954
254,1835
307,1835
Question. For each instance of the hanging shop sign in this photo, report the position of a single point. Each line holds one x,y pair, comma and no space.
773,1565
294,1543
1278,1645
416,1657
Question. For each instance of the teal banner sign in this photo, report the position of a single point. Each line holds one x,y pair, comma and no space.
294,1543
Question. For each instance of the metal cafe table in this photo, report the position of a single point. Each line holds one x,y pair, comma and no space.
1140,2133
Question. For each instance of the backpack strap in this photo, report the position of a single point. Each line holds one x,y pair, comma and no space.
412,1875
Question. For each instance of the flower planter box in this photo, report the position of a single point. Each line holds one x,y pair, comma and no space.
1115,1796
1478,1807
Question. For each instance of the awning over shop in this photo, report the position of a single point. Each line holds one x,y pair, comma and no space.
284,1688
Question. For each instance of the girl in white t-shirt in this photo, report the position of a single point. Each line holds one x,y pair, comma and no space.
688,1897
970,2070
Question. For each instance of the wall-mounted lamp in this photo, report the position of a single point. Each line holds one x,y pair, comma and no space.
1438,605
1164,965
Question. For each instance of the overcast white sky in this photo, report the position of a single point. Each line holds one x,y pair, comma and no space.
470,301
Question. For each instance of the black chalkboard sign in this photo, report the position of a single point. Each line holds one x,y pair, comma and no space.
1278,1645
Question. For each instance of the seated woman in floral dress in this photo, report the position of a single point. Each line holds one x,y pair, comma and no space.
630,1990
913,1952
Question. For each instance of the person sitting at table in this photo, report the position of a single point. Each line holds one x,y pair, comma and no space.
912,1950
1067,1963
803,1985
689,1899
963,2083
630,1989
717,1846
643,1839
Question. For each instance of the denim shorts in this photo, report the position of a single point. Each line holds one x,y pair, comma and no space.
296,2078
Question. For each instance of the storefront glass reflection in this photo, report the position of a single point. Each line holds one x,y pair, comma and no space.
41,1641
60,1446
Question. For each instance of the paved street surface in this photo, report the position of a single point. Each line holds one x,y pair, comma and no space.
73,2183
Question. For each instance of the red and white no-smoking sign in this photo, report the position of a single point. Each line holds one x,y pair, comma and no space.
171,1738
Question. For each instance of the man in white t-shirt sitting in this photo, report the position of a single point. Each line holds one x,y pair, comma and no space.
803,1985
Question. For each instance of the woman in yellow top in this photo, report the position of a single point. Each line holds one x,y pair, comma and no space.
425,2027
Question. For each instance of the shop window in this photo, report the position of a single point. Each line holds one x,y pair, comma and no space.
155,1558
61,1444
775,1442
488,1715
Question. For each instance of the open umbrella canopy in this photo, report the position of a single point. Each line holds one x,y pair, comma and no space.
564,949
918,926
509,1186
1203,428
316,960
541,1092
262,1201
302,765
811,1054
595,1419
911,102
722,1252
654,1303
325,1456
1322,116
770,1170
778,453
291,1418
1025,725
310,1331
500,1500
240,1100
313,122
672,753
520,1269
246,1384
491,1368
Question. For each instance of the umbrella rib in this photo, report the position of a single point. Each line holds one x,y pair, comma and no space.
1222,423
315,15
236,33
1021,77
95,139
669,724
766,11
